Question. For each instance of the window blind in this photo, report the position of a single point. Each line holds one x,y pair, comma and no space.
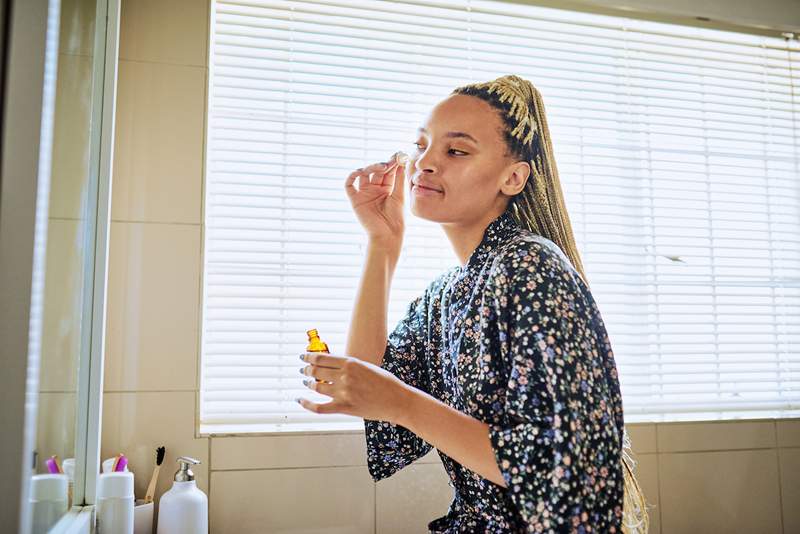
677,149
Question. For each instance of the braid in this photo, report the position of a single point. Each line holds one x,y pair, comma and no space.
540,208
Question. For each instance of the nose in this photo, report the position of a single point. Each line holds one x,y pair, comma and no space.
424,163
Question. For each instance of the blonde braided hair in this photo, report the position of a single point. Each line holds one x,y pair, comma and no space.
540,208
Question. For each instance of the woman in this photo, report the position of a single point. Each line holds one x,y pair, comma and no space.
503,364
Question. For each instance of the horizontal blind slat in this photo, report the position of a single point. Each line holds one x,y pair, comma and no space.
678,156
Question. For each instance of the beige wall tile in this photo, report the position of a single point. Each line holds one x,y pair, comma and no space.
411,498
55,427
158,146
63,306
69,183
790,488
292,501
76,34
169,31
647,475
732,491
788,432
305,450
291,451
643,437
153,307
431,458
137,423
721,435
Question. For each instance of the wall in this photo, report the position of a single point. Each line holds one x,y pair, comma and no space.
703,477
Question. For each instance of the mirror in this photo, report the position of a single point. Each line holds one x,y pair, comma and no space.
69,264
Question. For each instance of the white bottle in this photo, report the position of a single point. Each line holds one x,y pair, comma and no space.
184,508
115,503
48,498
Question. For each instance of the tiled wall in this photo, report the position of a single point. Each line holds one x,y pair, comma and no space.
702,477
151,365
66,229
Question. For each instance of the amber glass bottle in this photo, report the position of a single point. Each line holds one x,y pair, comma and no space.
315,344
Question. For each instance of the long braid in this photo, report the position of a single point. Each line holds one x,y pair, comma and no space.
540,208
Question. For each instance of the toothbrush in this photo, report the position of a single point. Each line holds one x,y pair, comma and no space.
120,463
151,489
53,466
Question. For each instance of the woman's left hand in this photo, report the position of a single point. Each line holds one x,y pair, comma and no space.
357,387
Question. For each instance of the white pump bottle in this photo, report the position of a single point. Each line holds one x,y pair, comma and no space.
184,508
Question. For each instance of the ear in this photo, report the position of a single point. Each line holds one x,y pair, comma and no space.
515,178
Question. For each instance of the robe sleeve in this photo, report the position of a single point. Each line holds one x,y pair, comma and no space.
537,299
391,447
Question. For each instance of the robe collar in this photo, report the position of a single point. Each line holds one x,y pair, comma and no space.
498,233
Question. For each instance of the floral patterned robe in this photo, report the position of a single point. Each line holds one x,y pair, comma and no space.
515,340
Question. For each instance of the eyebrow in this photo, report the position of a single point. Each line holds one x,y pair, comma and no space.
454,134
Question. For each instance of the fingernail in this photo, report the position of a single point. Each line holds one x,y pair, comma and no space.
302,371
297,400
302,357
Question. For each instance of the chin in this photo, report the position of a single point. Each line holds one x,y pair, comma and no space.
428,213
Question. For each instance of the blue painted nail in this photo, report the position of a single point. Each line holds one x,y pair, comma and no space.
302,371
302,357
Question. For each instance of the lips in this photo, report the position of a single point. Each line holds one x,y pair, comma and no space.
427,186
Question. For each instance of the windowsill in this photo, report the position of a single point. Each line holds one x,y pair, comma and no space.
78,520
300,429
711,417
235,450
311,429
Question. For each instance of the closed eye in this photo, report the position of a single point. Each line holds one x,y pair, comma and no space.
462,153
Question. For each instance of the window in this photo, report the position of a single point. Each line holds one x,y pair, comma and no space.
677,150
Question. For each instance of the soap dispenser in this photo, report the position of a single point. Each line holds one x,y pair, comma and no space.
184,508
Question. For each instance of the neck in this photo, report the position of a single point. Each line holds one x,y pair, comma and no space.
465,236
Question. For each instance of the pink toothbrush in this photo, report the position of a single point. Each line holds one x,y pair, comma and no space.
53,466
121,463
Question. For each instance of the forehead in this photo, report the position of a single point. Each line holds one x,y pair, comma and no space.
464,113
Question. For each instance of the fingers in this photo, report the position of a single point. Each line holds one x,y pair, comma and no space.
399,190
396,159
400,162
321,373
320,387
365,172
328,407
377,174
323,359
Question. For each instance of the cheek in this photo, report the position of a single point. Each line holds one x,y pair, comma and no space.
479,185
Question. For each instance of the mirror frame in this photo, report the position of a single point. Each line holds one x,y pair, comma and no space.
29,64
28,72
101,157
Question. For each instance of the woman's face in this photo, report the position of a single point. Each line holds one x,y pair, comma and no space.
460,154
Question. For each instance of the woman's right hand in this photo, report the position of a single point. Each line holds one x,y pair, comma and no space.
378,201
